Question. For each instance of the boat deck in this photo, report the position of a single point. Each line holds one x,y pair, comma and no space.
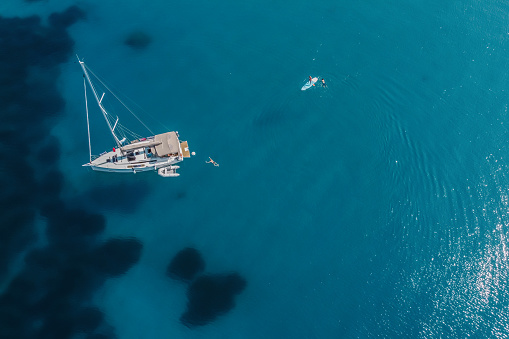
185,149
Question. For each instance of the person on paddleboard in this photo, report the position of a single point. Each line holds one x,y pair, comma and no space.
311,80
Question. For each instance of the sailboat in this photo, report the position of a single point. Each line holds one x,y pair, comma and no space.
132,153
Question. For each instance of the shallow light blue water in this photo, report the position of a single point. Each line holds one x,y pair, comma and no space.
375,207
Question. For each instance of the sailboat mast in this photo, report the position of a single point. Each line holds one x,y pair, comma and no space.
88,123
82,64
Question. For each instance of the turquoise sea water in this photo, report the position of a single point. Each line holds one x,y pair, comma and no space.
374,207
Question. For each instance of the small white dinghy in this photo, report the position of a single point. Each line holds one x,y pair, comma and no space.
170,171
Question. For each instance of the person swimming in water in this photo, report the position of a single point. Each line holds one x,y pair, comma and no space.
212,162
323,83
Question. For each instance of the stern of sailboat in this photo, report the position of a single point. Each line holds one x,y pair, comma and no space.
185,149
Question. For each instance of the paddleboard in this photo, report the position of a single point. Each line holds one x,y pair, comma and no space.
309,84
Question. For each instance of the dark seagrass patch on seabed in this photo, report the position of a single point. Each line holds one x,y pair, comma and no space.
186,264
138,40
49,297
210,296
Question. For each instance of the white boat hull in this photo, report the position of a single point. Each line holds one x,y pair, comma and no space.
117,162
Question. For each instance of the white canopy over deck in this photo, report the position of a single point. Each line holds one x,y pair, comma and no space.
168,144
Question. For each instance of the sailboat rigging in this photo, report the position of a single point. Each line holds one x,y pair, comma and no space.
132,153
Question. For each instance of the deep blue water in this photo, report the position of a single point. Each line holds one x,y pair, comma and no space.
374,207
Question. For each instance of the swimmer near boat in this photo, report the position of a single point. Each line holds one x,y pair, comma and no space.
212,162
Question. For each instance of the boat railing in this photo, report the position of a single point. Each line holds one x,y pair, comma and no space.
93,157
135,141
